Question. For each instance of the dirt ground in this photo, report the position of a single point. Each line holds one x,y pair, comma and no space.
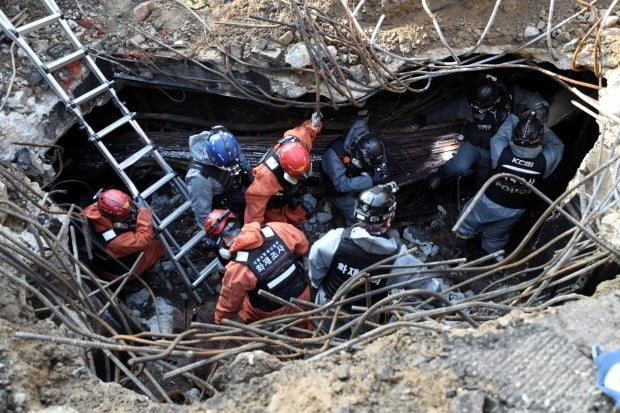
401,372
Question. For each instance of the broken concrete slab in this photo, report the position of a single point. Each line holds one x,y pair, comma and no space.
143,10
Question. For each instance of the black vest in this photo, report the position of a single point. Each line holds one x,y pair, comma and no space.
348,260
105,262
510,193
290,193
352,171
233,196
480,131
277,270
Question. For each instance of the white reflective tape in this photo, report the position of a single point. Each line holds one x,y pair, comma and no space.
516,168
271,163
108,235
267,232
242,256
273,283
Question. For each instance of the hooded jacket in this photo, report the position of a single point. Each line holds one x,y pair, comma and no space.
323,250
238,279
140,240
202,189
266,184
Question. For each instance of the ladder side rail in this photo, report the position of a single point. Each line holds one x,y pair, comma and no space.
143,136
181,271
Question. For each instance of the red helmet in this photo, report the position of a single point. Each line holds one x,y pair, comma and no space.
115,204
294,159
220,221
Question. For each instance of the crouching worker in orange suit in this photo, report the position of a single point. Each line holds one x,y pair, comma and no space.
277,193
123,234
262,257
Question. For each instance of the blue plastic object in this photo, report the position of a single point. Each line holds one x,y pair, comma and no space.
608,376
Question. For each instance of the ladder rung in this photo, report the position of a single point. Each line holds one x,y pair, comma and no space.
113,126
214,264
160,182
37,24
175,214
91,93
190,244
65,60
135,157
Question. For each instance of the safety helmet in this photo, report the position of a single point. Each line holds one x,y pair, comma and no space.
115,204
528,132
375,209
369,149
294,159
220,222
484,95
222,148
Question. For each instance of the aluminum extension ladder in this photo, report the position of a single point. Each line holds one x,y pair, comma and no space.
179,254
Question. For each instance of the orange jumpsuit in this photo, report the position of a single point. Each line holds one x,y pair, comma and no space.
238,279
140,240
266,184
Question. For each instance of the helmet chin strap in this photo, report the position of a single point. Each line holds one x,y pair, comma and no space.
290,179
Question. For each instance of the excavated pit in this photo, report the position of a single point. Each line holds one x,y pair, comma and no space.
518,377
169,115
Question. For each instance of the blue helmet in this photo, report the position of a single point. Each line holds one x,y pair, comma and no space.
222,147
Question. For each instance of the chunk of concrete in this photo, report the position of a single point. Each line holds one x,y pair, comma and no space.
245,367
287,38
143,10
468,401
530,32
297,56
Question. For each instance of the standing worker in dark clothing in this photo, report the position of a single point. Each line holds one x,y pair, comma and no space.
123,235
351,164
484,110
521,147
218,174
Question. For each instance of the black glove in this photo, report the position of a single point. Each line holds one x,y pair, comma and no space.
380,178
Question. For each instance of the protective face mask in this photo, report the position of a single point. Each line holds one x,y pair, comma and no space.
224,253
357,163
290,178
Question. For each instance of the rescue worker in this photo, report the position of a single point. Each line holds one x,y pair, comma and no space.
218,174
277,193
343,252
487,106
261,257
124,233
351,164
525,148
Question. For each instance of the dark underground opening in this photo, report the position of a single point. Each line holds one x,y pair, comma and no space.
169,115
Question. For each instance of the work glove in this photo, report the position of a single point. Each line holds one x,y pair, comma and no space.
378,179
308,203
315,121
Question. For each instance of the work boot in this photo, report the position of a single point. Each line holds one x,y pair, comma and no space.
434,183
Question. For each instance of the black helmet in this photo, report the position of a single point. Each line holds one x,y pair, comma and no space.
528,132
483,96
369,149
375,208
